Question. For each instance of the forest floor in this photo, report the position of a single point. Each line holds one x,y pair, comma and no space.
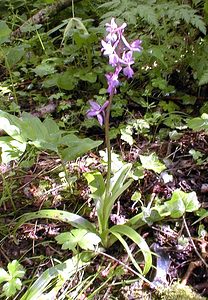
182,254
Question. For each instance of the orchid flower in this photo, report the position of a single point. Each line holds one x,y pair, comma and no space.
97,110
120,53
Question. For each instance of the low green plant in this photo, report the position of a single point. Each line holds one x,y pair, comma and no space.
11,279
29,130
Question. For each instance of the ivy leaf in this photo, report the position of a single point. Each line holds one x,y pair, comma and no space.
151,162
67,240
126,134
182,202
200,123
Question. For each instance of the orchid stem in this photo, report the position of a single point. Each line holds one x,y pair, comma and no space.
108,146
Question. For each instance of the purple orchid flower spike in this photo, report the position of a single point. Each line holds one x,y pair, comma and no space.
119,52
98,111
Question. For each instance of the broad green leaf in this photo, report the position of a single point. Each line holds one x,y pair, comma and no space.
60,215
14,55
76,146
4,32
88,76
66,81
136,238
52,127
44,69
151,162
175,205
11,125
11,149
33,129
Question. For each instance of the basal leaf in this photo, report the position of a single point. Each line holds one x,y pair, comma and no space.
136,238
60,215
11,125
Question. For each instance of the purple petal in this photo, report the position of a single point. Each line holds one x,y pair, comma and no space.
128,72
136,45
127,57
100,119
94,105
113,59
125,42
91,114
104,105
107,48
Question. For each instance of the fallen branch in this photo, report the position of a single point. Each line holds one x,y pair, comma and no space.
43,15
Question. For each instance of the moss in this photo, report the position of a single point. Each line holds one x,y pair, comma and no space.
177,291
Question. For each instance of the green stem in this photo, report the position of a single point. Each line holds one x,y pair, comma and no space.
104,219
108,146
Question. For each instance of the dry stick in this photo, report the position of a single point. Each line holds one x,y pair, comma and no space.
43,15
192,242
